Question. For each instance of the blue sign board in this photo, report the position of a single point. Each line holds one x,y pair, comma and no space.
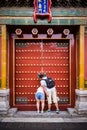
42,6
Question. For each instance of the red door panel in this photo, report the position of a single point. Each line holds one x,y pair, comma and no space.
32,56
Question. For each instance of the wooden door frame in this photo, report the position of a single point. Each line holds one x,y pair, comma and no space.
72,93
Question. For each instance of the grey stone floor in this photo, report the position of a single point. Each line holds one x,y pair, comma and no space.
32,116
31,120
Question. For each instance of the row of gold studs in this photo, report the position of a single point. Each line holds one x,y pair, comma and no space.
42,64
66,79
35,72
36,58
41,50
31,93
35,86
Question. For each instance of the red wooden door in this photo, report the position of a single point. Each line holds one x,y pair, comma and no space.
32,56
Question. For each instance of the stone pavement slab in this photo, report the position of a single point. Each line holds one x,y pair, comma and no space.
44,120
33,116
42,126
34,120
31,120
42,115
